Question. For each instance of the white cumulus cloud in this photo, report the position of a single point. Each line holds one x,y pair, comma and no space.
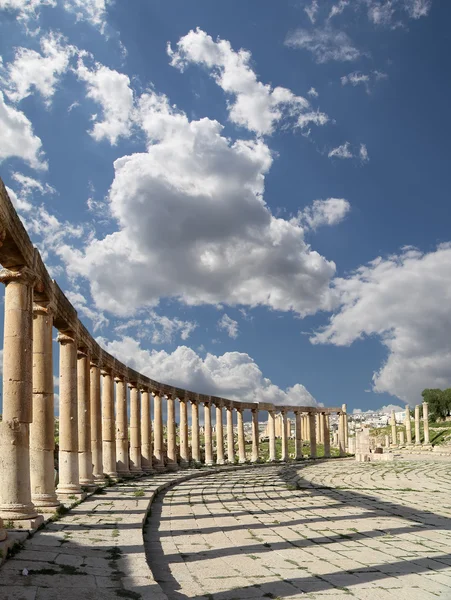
324,212
228,325
257,106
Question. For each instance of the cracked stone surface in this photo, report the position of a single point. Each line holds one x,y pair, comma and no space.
322,529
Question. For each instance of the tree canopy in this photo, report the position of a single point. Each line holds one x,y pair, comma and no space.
439,403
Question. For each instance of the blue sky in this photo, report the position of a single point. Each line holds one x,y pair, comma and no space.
242,198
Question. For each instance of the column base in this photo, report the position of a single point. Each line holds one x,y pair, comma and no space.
45,503
221,462
23,524
69,495
160,468
148,471
172,466
242,462
184,464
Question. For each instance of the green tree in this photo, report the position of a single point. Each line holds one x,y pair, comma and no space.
439,403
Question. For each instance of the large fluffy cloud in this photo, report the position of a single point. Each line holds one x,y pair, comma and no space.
193,225
233,375
256,106
404,300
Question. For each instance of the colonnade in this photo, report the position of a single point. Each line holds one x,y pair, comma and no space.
405,435
105,426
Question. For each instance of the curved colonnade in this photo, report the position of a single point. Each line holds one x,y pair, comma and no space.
105,427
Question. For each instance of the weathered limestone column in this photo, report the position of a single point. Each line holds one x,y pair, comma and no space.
122,460
84,419
312,425
326,435
195,445
108,425
146,432
401,438
426,422
336,438
284,457
298,436
158,451
255,435
344,411
241,441
408,426
15,489
135,429
307,428
394,436
417,425
387,441
96,424
230,437
272,435
219,435
341,435
321,428
172,441
208,434
42,429
69,483
184,447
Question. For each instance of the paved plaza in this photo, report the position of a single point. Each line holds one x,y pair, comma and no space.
318,529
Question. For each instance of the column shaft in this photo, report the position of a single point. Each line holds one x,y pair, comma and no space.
298,436
146,432
158,450
426,422
184,446
195,444
230,436
255,435
241,440
394,436
341,435
208,435
122,461
42,429
84,419
96,425
284,456
135,429
326,435
408,426
220,460
171,433
417,425
311,420
108,425
272,435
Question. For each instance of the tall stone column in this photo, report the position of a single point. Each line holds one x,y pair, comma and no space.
208,434
42,429
344,411
408,426
272,435
84,419
122,461
326,435
241,441
96,424
426,422
108,425
417,425
195,443
184,447
135,429
255,435
146,432
394,435
307,428
230,437
219,436
69,473
321,427
284,456
298,436
401,438
341,435
15,488
387,441
171,433
312,427
158,451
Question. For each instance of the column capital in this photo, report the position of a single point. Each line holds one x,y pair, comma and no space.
82,352
144,388
254,410
66,337
193,401
132,385
105,372
24,275
119,379
46,308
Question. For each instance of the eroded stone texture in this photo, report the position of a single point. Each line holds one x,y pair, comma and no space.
208,434
146,432
135,429
172,464
195,443
219,436
108,425
84,419
158,452
122,460
96,424
184,442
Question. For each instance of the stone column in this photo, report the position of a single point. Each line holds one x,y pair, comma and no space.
42,429
122,461
272,435
426,422
135,429
219,436
326,435
171,434
387,441
208,434
408,426
108,425
69,483
184,448
401,438
158,451
344,411
255,435
241,441
298,436
96,424
230,437
394,436
321,428
84,419
146,432
284,457
306,428
336,438
417,425
311,418
15,488
341,435
195,445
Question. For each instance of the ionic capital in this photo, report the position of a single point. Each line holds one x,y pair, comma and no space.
65,337
132,385
105,372
24,275
45,308
82,352
119,379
